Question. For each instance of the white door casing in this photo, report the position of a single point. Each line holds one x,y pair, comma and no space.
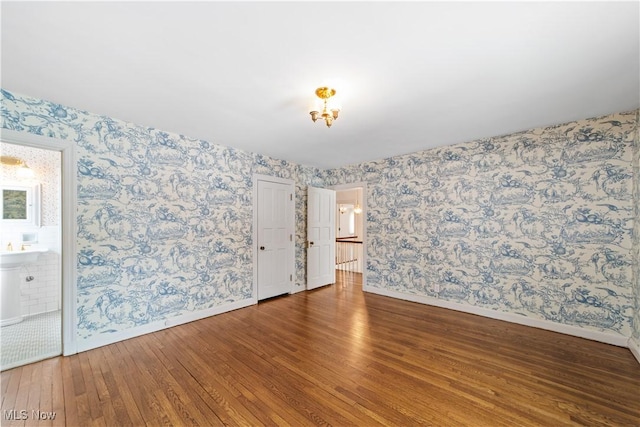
274,237
69,227
362,185
321,237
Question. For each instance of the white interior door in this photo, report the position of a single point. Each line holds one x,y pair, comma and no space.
321,237
274,239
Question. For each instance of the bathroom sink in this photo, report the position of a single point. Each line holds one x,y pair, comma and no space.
17,258
10,263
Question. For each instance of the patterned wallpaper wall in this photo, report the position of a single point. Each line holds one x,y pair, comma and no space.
537,223
636,230
164,221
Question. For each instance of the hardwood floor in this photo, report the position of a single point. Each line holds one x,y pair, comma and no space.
334,356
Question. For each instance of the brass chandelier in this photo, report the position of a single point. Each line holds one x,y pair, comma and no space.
328,114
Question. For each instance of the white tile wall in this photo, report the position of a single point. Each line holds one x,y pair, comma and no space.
44,293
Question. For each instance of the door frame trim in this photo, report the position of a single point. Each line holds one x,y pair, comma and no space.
291,226
351,186
68,226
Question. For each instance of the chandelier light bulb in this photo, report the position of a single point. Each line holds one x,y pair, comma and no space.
358,209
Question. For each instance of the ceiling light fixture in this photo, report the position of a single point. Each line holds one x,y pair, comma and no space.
358,209
23,170
328,114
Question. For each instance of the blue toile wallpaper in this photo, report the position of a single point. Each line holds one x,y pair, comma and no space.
164,221
537,223
636,229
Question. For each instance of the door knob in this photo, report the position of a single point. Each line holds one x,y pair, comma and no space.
310,243
262,248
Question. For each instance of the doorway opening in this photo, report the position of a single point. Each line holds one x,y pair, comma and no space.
351,228
32,237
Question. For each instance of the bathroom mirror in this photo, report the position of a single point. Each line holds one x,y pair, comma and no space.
20,204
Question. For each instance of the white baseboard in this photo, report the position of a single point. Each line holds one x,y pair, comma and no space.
605,337
298,288
634,346
99,341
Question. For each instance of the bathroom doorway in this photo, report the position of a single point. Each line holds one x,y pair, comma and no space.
31,244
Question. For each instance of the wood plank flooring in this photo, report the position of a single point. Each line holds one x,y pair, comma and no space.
334,356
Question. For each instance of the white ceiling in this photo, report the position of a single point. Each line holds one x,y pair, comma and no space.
410,75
